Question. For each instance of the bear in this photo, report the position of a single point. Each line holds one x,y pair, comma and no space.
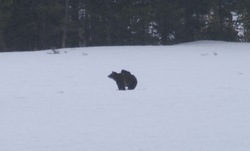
124,79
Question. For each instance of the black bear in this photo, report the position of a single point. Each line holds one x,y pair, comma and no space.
124,79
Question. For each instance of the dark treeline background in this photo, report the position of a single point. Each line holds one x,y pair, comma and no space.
44,24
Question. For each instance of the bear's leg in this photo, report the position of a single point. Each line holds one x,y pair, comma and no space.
132,86
121,86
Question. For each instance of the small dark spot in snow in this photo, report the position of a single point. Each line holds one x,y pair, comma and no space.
204,54
61,92
84,54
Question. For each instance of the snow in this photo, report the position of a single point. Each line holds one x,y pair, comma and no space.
190,97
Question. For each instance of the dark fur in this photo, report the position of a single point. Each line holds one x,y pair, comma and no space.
124,79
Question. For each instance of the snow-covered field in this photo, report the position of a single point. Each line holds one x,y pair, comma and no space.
189,97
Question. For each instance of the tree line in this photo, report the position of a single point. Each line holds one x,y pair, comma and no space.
45,24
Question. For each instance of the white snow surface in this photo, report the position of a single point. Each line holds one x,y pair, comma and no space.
190,97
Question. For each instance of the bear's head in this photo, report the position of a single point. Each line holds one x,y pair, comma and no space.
113,75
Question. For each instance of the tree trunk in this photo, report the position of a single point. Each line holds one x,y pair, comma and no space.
65,26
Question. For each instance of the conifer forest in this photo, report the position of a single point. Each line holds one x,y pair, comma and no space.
28,25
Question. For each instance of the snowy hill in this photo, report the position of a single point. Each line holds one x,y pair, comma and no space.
190,97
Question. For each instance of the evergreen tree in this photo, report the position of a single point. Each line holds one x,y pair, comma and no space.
73,32
194,19
49,23
34,25
140,21
5,12
221,24
20,32
243,11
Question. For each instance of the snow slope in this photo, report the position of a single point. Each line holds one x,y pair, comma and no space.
190,97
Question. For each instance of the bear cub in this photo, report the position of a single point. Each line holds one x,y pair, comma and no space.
124,79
